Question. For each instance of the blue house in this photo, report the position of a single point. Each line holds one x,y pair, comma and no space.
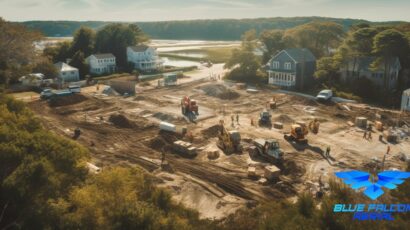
292,68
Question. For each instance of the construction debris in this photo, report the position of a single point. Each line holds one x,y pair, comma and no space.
271,172
361,122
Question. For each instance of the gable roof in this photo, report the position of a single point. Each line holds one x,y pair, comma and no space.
103,56
139,48
61,66
301,54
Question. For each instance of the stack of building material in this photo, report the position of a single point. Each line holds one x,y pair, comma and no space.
361,122
278,125
272,172
251,171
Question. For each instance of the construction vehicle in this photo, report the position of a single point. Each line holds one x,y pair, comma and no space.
189,106
265,118
298,133
314,126
267,149
229,141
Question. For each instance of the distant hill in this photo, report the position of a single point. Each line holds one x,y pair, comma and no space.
218,29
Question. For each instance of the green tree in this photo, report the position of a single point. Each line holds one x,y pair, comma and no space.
46,67
327,71
78,61
16,50
115,38
387,45
61,52
273,41
319,37
84,39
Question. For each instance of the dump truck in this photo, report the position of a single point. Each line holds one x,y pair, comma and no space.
229,141
265,119
189,106
269,150
298,133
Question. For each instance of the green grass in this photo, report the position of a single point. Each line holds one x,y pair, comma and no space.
215,54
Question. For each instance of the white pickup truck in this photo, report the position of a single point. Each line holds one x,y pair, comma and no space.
325,95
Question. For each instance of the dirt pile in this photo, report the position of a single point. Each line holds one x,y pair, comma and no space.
211,131
121,121
220,91
163,141
67,100
283,118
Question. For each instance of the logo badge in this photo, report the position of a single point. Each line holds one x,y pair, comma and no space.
360,179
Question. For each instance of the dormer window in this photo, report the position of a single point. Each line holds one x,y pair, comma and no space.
288,65
275,65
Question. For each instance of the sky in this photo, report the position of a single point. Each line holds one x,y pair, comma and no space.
163,10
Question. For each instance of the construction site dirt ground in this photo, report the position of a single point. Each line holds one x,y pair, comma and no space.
125,131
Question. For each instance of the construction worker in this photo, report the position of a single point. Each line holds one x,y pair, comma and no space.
327,152
369,137
233,120
388,149
365,135
237,118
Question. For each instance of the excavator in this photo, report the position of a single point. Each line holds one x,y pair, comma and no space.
298,133
228,141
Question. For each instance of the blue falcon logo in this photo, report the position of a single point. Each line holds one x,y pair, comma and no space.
359,179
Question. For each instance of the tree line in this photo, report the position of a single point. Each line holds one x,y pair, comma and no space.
333,47
218,29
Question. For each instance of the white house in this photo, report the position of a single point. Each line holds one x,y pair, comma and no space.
67,73
405,100
101,63
144,58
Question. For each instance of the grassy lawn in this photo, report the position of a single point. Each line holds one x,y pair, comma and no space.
215,54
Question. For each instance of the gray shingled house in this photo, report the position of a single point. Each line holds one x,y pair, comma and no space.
292,68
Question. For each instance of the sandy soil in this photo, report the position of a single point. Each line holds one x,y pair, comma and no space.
219,187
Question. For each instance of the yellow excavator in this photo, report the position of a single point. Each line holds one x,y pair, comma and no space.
298,133
228,141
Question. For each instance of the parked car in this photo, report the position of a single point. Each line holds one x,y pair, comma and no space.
324,95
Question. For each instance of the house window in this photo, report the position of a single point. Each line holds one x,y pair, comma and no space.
288,65
275,65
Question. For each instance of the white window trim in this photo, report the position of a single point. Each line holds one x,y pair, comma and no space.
288,65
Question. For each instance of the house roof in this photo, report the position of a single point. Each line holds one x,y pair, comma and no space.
300,54
139,48
61,66
103,56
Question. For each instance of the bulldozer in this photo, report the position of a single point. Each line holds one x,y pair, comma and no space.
229,141
298,133
314,126
269,150
265,118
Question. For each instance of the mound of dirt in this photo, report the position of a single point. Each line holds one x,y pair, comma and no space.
211,131
163,141
121,121
220,91
164,117
283,118
67,100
